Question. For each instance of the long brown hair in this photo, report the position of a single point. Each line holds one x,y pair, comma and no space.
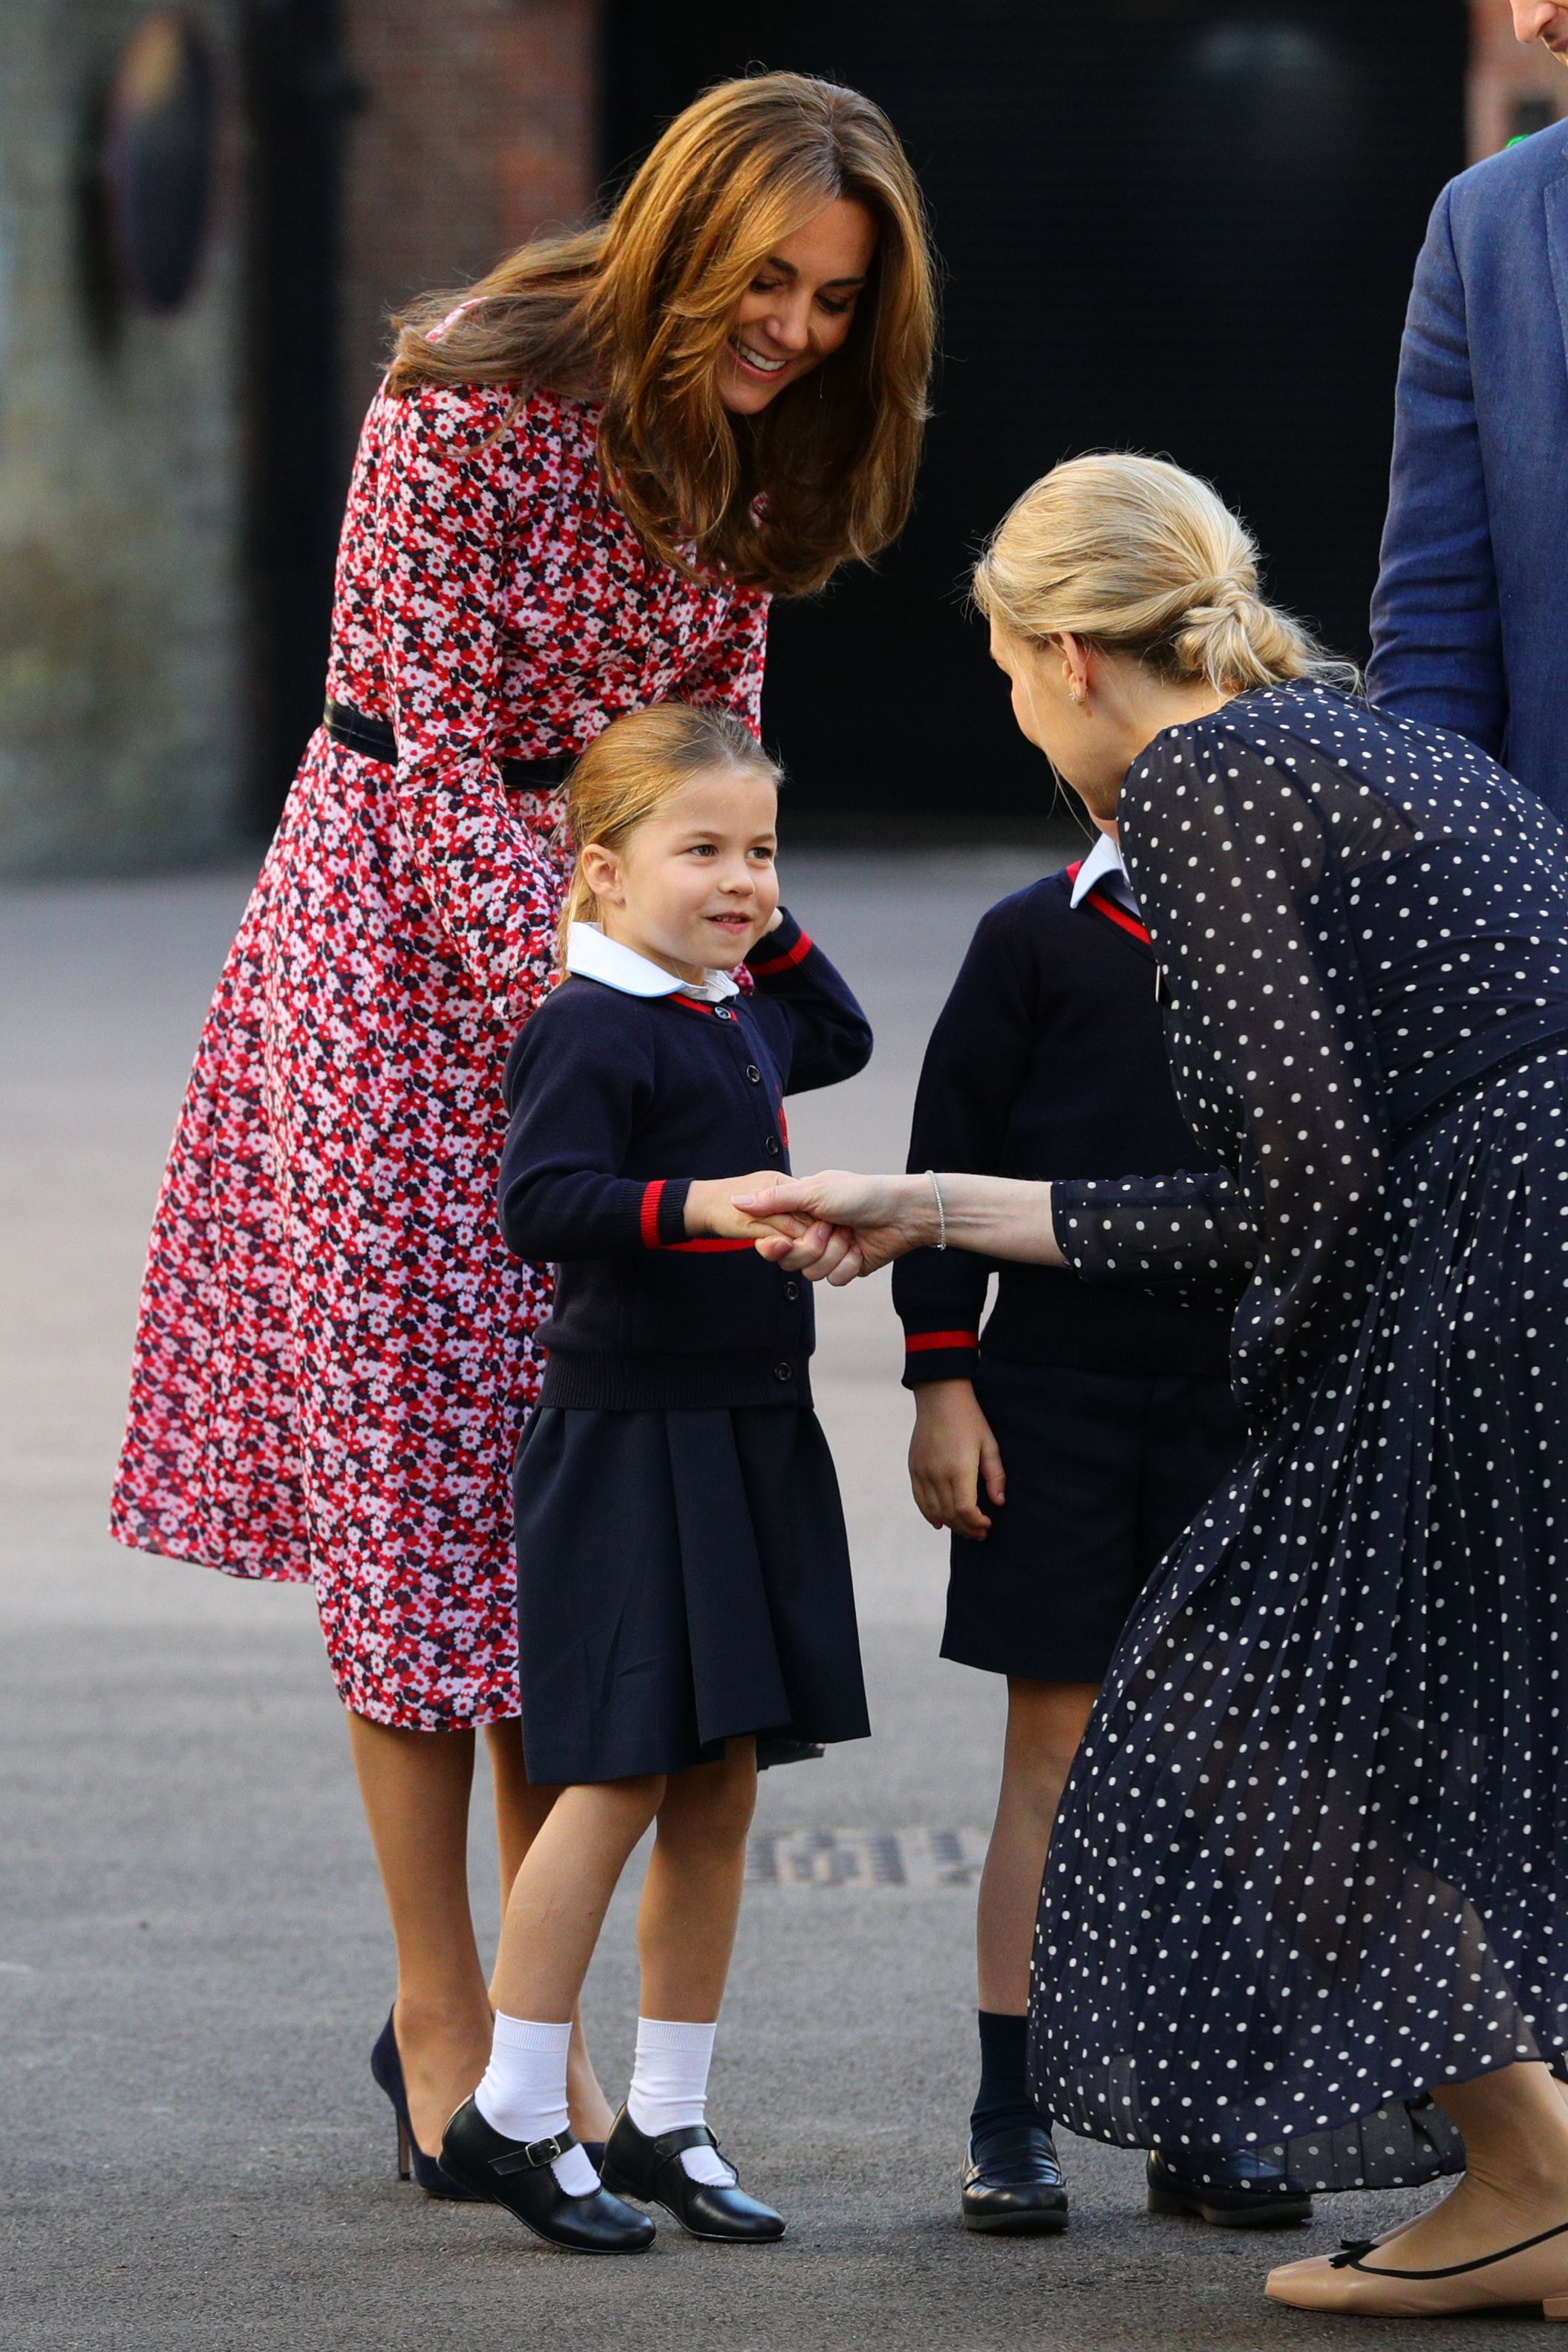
636,764
636,310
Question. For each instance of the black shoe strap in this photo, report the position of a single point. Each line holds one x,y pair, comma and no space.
670,2143
532,2155
1349,2258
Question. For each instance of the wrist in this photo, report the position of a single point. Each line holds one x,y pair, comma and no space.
932,1209
936,1397
697,1207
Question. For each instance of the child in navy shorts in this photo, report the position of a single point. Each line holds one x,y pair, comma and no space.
1066,1446
682,1567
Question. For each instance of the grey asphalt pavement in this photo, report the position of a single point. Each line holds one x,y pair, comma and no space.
193,1959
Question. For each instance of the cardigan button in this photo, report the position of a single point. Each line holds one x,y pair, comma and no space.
784,1371
722,1013
754,1074
792,1291
771,1145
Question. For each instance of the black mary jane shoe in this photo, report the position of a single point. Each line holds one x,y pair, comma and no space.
517,2174
1236,2192
386,2066
1013,2184
637,2166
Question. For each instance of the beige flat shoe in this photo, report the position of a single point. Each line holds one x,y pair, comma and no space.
1534,2271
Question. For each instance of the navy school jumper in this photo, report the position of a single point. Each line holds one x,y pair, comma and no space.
617,1103
1048,1060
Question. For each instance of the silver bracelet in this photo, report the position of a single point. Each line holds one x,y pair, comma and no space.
940,1241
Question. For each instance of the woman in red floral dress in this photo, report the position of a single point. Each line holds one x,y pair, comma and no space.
573,496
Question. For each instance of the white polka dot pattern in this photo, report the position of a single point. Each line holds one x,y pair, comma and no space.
1313,1858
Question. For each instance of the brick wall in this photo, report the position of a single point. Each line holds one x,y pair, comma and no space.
1514,88
478,127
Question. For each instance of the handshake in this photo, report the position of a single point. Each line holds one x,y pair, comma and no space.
830,1227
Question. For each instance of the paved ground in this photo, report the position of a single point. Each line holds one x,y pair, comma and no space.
192,1958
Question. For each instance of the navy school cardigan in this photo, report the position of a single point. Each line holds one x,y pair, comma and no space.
616,1103
1047,1060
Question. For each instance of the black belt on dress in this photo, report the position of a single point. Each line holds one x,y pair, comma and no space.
374,738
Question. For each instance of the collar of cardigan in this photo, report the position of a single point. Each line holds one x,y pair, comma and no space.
591,955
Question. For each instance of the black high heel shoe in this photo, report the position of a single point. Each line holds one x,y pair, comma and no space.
637,2166
386,2066
519,2173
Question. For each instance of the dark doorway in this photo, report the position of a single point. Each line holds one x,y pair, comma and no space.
1168,226
295,98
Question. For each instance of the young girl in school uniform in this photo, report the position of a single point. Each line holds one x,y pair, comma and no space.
683,1570
1066,1446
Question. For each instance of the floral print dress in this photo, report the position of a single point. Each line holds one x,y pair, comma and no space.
335,1353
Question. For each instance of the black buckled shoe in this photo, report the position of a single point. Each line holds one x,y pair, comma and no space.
1237,2193
516,2174
1013,2186
637,2166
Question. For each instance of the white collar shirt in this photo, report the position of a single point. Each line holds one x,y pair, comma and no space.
591,955
1103,864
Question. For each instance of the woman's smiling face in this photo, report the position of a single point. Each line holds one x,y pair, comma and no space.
799,308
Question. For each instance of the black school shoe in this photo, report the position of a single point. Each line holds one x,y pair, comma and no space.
637,2166
1239,2192
516,2174
1012,2185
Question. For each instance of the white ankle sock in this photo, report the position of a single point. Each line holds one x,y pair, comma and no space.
523,2092
669,2090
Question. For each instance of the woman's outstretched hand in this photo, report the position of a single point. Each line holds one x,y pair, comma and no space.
852,1224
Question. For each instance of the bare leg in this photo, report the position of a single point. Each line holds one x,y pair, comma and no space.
1515,2129
520,1811
561,1891
1044,1724
692,1898
416,1787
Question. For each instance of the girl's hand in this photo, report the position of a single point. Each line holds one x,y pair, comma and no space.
952,1454
710,1211
833,1226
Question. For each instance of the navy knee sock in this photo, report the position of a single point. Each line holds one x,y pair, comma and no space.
1003,2100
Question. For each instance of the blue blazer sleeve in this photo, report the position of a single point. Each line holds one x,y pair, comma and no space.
1436,627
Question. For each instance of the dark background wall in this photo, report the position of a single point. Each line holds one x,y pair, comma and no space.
1168,226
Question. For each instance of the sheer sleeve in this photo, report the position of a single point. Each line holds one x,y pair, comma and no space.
449,506
1272,1051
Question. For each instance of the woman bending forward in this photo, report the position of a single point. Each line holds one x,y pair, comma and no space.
1305,1892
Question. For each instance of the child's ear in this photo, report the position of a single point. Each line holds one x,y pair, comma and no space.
601,871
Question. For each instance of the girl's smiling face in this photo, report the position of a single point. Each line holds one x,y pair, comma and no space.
694,887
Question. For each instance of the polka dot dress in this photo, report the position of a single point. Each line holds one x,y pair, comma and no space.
1313,1858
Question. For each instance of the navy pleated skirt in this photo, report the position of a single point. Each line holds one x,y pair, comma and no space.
683,1579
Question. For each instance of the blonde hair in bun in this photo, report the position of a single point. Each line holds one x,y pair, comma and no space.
1140,557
